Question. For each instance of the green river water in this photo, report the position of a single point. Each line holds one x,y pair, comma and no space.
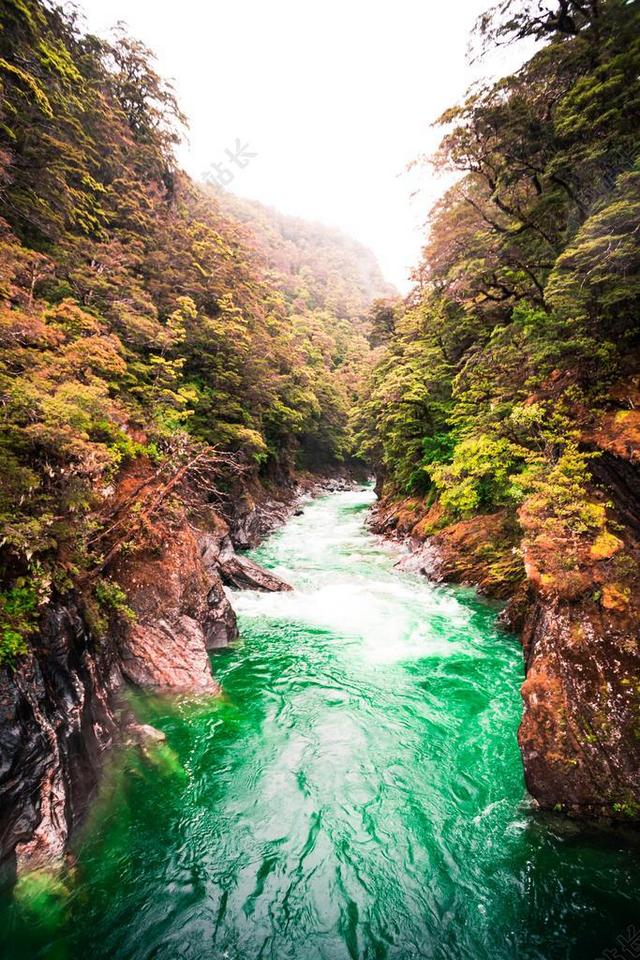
356,793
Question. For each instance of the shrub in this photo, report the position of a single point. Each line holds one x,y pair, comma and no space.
481,476
18,619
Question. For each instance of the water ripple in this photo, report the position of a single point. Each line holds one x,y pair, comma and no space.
356,793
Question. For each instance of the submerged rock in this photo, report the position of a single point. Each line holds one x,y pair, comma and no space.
144,733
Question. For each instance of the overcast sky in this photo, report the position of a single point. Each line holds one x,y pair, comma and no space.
335,98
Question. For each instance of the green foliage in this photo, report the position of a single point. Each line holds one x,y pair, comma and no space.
112,598
409,402
18,620
598,274
134,308
480,476
527,310
562,492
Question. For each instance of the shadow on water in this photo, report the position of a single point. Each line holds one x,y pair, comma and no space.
356,793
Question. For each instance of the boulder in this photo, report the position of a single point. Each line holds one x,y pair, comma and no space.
181,611
243,574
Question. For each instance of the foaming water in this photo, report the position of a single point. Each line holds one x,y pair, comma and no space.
356,793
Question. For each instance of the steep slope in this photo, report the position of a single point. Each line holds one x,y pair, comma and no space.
155,377
328,282
504,402
317,267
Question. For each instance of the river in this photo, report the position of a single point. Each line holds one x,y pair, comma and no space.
357,791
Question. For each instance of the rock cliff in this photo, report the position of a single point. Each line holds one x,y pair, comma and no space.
61,709
59,712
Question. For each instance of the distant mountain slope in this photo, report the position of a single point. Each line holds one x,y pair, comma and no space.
318,267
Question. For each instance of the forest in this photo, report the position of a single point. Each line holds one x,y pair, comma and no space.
319,603
516,357
145,316
142,316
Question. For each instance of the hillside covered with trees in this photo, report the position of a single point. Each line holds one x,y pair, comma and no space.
525,310
329,282
172,357
503,411
314,748
142,316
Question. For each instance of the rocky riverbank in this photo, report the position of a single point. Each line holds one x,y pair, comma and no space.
62,708
574,598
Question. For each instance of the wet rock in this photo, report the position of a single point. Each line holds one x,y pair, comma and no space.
514,614
58,715
168,656
216,548
579,730
223,626
256,514
244,574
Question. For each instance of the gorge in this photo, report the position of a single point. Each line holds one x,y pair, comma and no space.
356,791
319,605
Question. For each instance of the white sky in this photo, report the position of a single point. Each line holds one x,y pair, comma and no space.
335,97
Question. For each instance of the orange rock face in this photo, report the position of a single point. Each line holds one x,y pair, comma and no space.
580,730
483,551
174,599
